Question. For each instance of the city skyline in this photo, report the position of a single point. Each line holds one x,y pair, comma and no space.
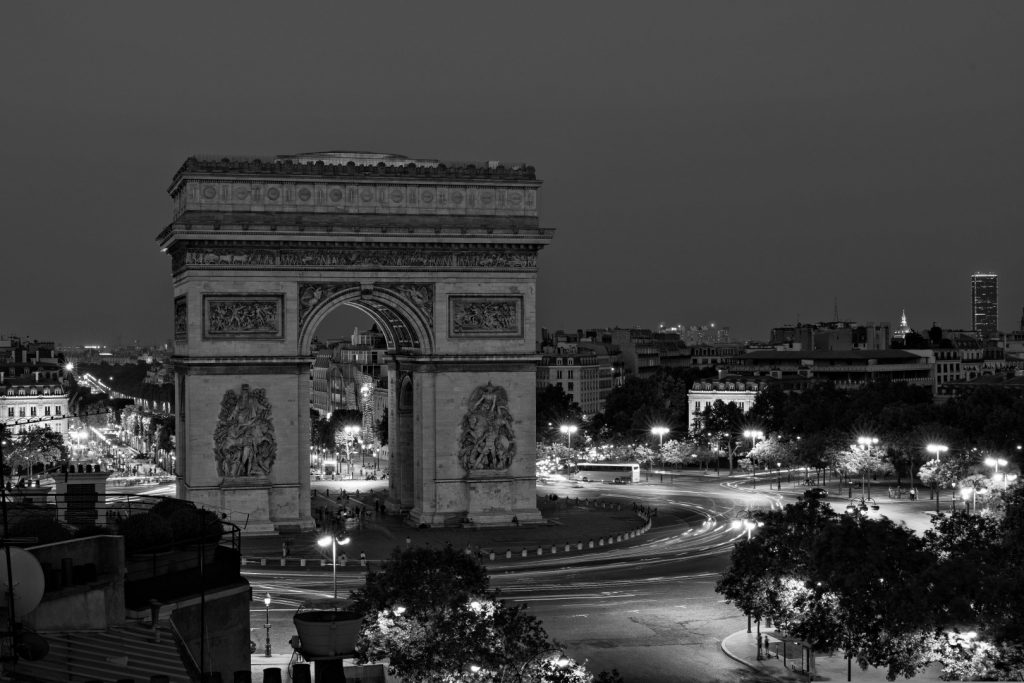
745,164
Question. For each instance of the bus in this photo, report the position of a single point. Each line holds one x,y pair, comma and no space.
614,472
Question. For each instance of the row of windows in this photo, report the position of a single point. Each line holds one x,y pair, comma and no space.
46,391
32,411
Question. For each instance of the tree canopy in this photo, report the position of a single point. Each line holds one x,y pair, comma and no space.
431,614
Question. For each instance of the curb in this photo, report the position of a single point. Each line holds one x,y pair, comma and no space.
735,657
761,670
522,552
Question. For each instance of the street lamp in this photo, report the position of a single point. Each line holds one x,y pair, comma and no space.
866,442
350,432
659,432
332,541
996,463
936,449
779,464
266,601
568,430
754,435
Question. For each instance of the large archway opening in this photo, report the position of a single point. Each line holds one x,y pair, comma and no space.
355,397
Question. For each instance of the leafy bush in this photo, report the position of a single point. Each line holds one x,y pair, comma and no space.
44,529
145,532
167,507
193,525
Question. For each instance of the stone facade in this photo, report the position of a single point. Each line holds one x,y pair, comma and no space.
442,257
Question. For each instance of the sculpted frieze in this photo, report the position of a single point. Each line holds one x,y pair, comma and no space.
243,441
480,316
345,257
243,316
487,440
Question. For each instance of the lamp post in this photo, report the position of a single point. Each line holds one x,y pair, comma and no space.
332,541
568,430
936,449
749,525
754,435
865,442
266,601
996,463
350,433
659,432
779,464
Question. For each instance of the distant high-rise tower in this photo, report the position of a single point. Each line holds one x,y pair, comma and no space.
984,304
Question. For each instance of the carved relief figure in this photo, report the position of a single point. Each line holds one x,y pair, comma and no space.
243,317
488,441
470,316
244,443
181,318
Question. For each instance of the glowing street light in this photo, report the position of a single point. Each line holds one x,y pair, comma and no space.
866,442
334,542
936,449
659,432
568,430
351,432
266,601
754,435
996,463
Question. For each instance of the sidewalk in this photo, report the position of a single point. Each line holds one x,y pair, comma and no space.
785,663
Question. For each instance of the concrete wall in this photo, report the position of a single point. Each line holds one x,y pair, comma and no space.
226,615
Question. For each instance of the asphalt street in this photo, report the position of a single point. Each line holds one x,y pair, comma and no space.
647,610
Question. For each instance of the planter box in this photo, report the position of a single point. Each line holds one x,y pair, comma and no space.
327,629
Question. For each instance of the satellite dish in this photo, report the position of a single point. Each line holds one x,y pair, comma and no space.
29,581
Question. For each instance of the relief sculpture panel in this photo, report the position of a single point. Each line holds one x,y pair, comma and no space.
243,317
485,316
180,318
243,442
487,441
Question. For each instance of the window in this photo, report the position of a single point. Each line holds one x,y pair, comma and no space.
32,411
21,411
46,410
10,412
570,387
57,408
570,374
558,374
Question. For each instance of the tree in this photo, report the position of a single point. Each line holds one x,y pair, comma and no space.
555,408
430,613
839,582
34,447
719,425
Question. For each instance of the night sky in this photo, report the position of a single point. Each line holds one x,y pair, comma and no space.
747,163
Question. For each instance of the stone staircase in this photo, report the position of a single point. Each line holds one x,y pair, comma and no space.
129,652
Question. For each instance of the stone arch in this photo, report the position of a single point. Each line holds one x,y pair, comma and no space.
404,325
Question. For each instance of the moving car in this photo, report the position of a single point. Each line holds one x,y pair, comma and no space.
817,493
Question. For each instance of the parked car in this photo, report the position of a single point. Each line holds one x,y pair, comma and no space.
816,493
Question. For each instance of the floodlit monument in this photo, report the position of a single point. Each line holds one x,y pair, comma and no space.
443,257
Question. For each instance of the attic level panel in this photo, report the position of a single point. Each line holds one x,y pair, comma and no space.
456,196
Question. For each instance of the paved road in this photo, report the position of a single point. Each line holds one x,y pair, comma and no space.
649,611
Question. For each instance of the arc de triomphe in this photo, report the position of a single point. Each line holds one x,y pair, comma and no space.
443,257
